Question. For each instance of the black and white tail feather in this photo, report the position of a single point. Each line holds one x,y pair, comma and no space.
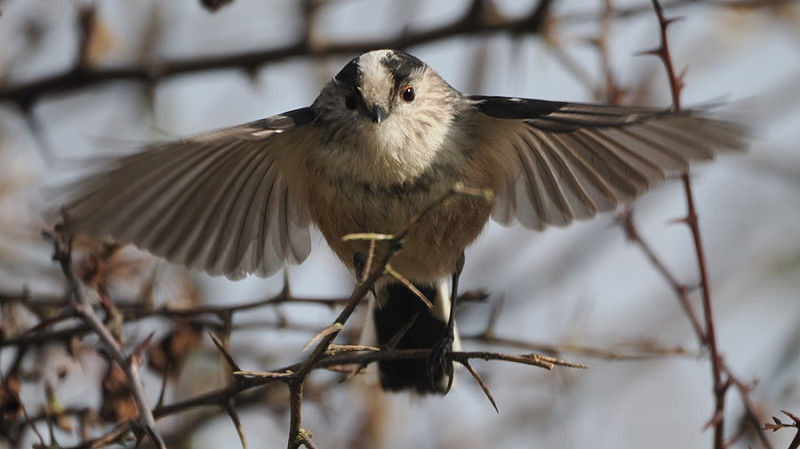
399,319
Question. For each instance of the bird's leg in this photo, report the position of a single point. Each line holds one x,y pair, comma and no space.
438,357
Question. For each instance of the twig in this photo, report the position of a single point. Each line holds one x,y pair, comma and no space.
710,339
224,351
409,285
297,435
706,335
644,351
62,253
332,360
482,384
778,424
680,289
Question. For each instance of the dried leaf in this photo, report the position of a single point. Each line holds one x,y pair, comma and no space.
118,403
168,355
99,43
64,423
10,406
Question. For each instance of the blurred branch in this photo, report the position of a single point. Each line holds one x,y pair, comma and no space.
637,351
324,354
722,377
709,338
681,290
475,21
479,19
247,380
640,350
62,252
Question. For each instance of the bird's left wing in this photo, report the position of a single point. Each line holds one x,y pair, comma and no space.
569,161
226,202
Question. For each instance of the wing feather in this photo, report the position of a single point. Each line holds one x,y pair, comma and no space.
558,210
581,204
219,201
570,160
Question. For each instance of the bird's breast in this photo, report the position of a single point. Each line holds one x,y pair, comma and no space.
346,205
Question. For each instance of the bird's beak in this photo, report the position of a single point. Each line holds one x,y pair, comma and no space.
377,114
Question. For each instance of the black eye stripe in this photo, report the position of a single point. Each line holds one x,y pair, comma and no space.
350,101
401,65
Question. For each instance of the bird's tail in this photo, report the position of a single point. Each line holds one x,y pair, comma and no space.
402,320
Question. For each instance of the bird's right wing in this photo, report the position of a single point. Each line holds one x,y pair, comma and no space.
226,202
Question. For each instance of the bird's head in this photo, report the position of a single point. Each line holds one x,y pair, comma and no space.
392,108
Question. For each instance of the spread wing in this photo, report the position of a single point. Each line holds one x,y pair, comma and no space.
225,202
571,161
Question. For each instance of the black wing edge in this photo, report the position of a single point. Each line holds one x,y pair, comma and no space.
288,120
515,108
560,116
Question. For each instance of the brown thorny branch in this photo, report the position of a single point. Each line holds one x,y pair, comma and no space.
145,424
325,354
480,18
49,332
777,424
722,377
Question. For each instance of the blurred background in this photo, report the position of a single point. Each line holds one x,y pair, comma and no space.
83,79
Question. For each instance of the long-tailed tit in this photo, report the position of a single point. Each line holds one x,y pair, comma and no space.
386,137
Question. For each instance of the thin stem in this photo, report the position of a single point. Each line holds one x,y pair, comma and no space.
62,252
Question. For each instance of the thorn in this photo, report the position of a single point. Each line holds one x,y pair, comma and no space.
136,355
682,75
687,220
482,384
410,286
714,420
332,329
725,386
228,357
671,20
795,418
231,411
652,52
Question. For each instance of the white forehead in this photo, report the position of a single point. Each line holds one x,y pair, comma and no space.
376,79
372,66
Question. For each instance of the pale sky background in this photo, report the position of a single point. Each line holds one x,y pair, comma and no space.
583,285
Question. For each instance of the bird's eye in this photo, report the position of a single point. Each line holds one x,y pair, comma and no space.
408,94
350,101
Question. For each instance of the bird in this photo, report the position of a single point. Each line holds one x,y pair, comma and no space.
386,138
